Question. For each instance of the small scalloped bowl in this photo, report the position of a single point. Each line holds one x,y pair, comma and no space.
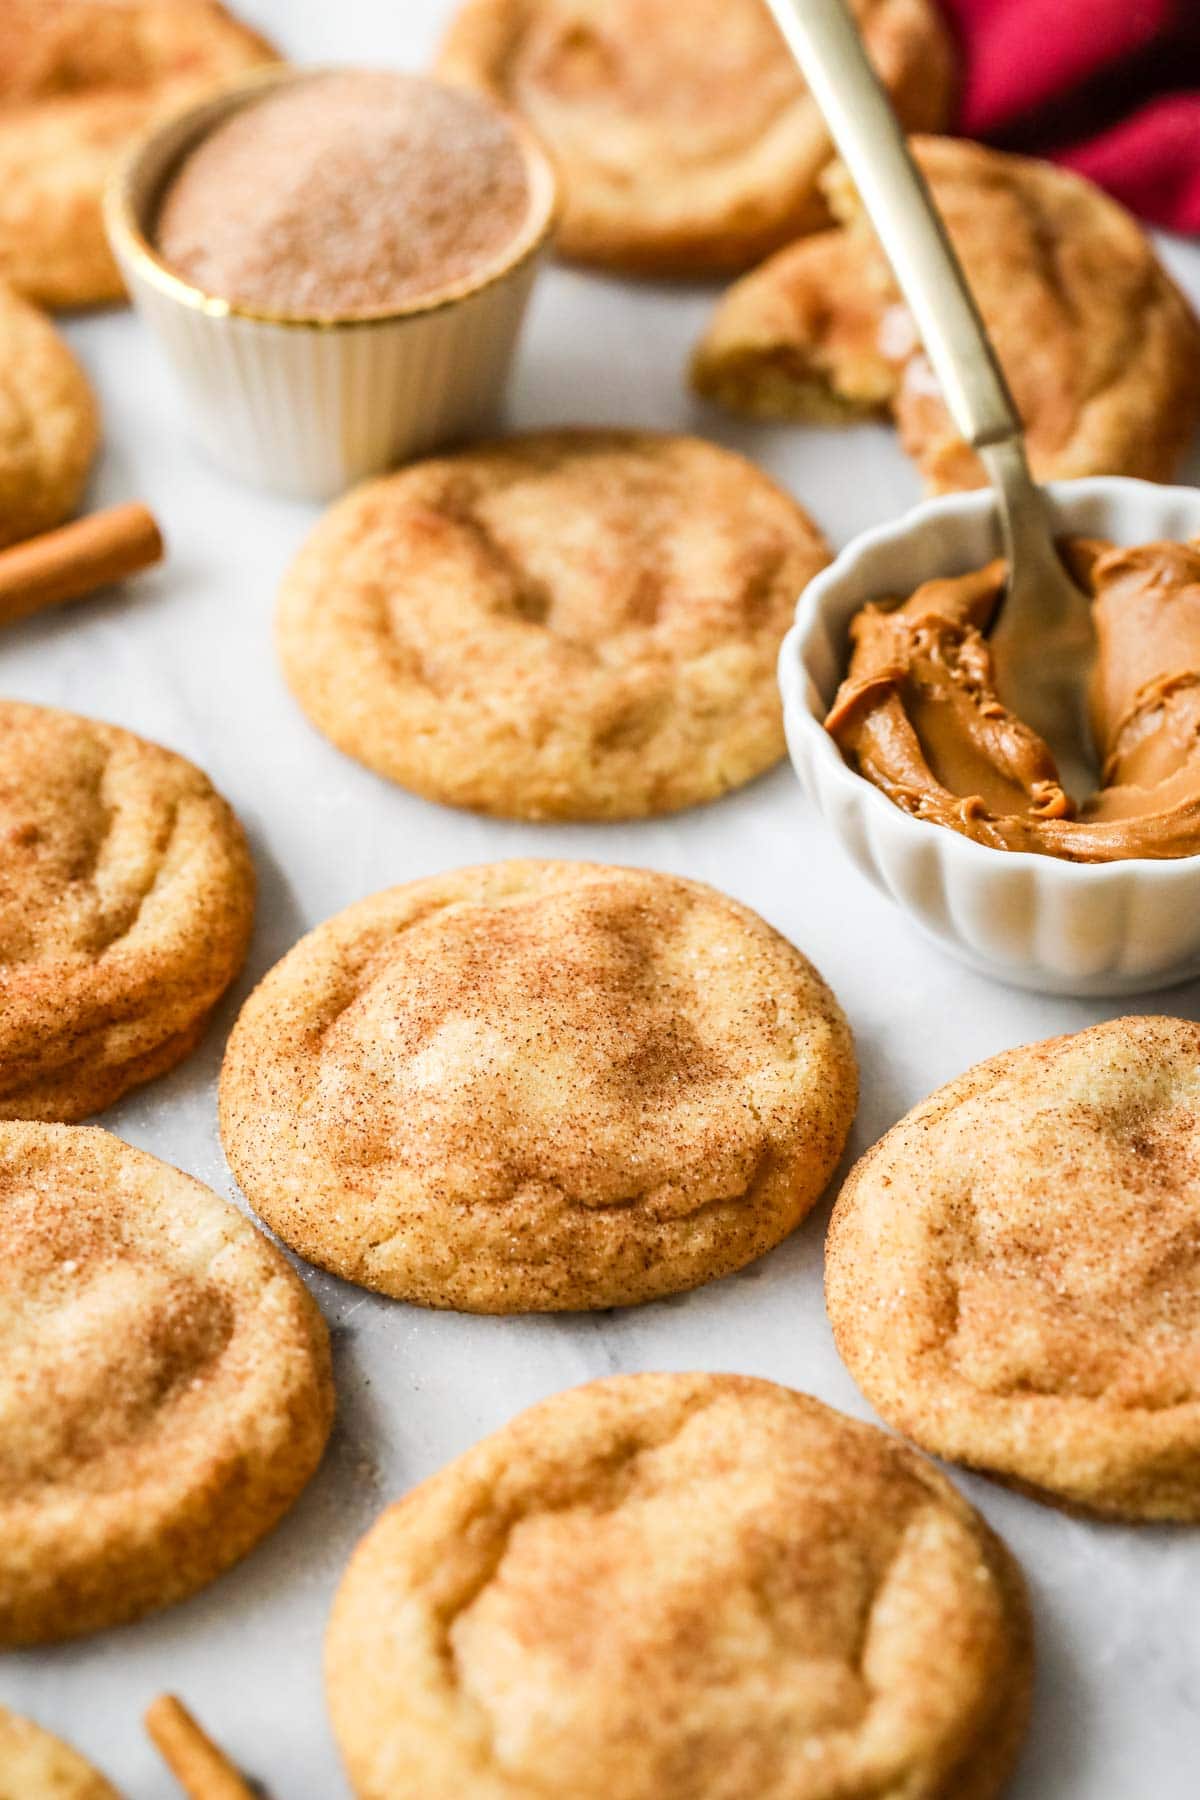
1034,921
306,404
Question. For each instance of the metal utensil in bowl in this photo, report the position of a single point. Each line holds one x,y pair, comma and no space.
1042,641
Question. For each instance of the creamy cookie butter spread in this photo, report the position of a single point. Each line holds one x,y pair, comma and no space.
919,715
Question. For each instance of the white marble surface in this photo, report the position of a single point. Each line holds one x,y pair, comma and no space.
185,657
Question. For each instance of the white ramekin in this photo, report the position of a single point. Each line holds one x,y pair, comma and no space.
307,406
1035,921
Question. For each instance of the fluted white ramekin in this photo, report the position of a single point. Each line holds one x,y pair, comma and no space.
308,406
1034,921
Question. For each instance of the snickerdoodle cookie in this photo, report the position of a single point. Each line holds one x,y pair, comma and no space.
686,136
1100,348
699,1585
572,624
1012,1275
79,79
36,1766
165,1389
126,902
534,1086
49,424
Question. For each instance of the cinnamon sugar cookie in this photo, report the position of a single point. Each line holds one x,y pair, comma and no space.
1100,348
567,625
1012,1276
687,139
126,902
681,1584
36,1766
535,1086
165,1390
49,426
79,80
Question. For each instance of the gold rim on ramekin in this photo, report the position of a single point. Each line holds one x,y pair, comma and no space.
129,238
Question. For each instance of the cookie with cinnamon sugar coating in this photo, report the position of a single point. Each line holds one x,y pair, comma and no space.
79,81
126,904
559,625
49,422
688,141
165,1386
1101,349
699,1585
34,1765
1011,1272
538,1086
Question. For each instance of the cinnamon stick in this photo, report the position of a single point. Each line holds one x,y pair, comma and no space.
68,563
202,1771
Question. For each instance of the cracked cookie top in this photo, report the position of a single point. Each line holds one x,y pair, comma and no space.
570,624
164,1383
538,1086
681,1584
1101,350
1012,1271
126,901
79,79
686,136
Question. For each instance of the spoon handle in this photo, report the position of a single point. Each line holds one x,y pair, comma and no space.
825,41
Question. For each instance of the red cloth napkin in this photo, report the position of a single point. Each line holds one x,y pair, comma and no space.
1108,87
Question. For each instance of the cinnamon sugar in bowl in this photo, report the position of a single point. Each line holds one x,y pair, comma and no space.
337,263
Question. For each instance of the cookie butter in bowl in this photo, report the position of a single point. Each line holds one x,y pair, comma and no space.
337,263
950,802
919,713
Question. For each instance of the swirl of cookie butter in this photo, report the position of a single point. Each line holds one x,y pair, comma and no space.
919,716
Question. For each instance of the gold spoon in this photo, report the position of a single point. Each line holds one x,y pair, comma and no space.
1042,642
